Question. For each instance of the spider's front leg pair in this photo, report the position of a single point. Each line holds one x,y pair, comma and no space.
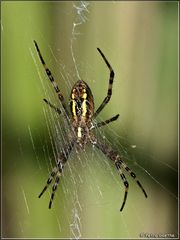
51,78
57,171
120,166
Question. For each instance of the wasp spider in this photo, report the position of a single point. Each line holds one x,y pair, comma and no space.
80,120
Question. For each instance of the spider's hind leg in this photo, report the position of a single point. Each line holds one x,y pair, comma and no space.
57,170
53,173
120,165
133,175
56,173
54,188
126,184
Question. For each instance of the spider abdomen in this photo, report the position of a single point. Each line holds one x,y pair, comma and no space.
82,110
82,102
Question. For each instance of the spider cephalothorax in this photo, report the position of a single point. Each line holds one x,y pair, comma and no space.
81,126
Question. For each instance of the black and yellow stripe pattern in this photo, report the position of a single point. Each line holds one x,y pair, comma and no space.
120,165
81,126
82,102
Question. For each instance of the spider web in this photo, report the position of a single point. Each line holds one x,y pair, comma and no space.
90,192
76,176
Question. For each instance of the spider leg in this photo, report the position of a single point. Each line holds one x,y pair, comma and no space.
126,184
53,173
54,187
119,163
57,171
133,175
51,78
52,106
109,92
98,125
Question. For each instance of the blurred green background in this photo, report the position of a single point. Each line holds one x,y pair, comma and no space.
140,40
